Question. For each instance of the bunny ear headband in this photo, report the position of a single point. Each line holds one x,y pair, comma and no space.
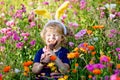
60,11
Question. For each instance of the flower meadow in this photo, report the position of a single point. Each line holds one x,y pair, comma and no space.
94,47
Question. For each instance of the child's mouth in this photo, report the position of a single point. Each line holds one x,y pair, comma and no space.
52,45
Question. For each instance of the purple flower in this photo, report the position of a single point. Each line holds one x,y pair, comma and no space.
111,43
25,38
16,37
80,45
75,25
112,16
111,35
32,42
102,14
18,14
114,31
94,78
104,59
20,45
106,78
90,67
118,49
119,56
117,72
99,66
23,8
118,14
80,34
71,44
3,39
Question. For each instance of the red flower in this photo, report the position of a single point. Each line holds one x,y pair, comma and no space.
7,69
28,63
53,58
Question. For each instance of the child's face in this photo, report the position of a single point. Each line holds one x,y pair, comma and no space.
53,37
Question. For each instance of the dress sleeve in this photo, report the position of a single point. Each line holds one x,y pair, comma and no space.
38,55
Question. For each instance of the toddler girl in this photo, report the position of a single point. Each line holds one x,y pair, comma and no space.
53,34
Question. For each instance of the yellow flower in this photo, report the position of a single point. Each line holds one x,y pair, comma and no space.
61,79
43,12
65,77
61,9
53,68
51,64
76,49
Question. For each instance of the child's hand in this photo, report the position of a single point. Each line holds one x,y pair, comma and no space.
48,51
45,58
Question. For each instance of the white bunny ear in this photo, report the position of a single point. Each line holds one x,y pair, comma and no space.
60,11
43,12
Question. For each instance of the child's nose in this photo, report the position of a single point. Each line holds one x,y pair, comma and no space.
52,37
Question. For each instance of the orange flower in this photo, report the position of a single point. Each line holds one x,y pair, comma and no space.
89,32
76,54
53,58
83,49
118,66
70,55
76,64
25,74
93,53
91,48
89,76
98,27
28,63
7,68
26,69
85,44
96,71
76,49
74,70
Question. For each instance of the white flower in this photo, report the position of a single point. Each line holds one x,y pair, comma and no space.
110,6
17,70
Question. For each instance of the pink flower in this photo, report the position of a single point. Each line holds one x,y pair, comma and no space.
10,23
33,42
64,16
46,3
32,24
75,25
18,14
102,14
3,39
113,77
16,37
82,4
20,45
25,34
2,48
